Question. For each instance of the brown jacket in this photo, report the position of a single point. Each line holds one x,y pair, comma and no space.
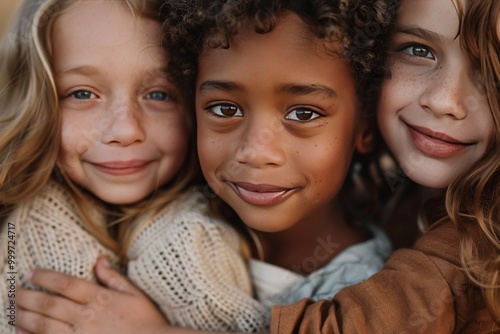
419,290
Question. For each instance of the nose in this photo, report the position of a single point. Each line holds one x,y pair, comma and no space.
447,91
125,123
260,145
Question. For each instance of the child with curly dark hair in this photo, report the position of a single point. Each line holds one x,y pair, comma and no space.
278,87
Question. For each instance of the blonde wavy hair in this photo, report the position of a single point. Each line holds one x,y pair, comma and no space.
473,200
30,123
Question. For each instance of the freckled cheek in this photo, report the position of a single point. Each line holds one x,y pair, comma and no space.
398,93
328,158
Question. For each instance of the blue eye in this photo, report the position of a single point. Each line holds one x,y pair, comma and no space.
302,115
419,51
158,96
225,110
83,95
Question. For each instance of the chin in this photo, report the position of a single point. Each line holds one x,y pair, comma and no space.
434,182
121,199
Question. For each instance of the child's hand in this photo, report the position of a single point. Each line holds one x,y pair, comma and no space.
85,307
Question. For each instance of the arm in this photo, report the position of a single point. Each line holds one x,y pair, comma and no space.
45,232
379,305
190,264
88,308
419,290
50,234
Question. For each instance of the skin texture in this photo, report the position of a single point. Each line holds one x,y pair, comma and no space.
89,308
432,113
130,304
123,132
260,127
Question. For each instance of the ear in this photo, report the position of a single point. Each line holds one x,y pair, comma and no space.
365,138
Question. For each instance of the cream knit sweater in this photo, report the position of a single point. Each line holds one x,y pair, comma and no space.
190,264
46,232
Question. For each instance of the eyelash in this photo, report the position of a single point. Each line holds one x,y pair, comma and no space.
426,49
74,94
239,113
167,96
211,109
90,95
307,111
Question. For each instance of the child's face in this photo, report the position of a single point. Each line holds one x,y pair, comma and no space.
433,112
122,134
277,120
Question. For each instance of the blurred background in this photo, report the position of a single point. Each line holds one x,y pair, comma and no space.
7,9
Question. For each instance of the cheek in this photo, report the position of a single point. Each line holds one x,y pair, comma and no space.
391,101
68,160
328,161
217,158
206,152
170,133
72,145
388,94
79,132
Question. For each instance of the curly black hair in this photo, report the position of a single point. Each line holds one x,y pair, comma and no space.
361,26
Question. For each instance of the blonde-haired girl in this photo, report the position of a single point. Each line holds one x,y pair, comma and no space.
91,132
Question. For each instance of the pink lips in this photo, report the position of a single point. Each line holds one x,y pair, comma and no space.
121,167
435,144
261,195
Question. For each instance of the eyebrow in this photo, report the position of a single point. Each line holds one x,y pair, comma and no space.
300,89
89,70
421,33
292,88
224,86
84,69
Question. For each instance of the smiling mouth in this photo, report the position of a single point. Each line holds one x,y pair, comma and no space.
434,144
261,195
121,167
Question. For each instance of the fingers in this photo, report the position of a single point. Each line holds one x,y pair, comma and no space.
38,324
112,279
49,305
76,289
45,312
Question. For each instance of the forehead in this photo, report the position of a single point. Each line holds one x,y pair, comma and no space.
433,15
291,38
104,22
86,31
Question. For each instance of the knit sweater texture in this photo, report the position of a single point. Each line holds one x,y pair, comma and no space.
46,232
190,263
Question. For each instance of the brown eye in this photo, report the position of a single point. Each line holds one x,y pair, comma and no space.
302,115
420,52
226,110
